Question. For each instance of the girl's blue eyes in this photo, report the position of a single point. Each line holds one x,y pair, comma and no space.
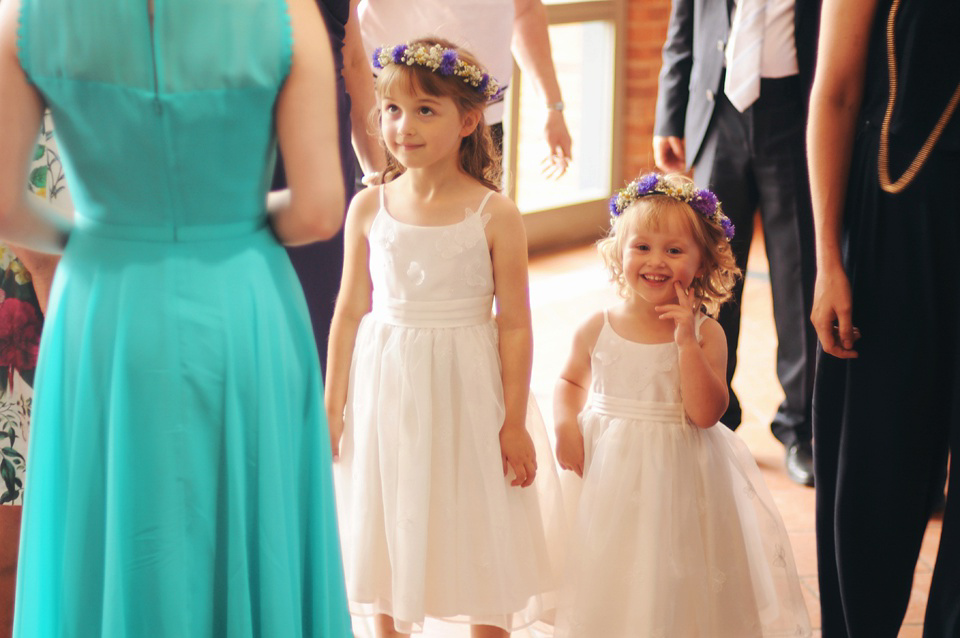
670,251
423,110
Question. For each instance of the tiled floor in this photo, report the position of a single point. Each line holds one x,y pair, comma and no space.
566,287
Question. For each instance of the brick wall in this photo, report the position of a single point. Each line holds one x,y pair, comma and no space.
645,33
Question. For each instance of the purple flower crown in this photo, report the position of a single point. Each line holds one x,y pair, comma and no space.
703,201
438,59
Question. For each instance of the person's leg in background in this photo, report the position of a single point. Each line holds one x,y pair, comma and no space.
724,166
781,177
752,159
10,545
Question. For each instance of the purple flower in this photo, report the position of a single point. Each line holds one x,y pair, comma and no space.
448,62
613,205
704,202
728,227
398,52
376,58
484,82
647,183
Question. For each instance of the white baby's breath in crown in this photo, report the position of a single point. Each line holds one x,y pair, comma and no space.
439,59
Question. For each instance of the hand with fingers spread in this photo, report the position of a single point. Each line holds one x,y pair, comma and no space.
570,449
682,313
554,165
832,315
517,452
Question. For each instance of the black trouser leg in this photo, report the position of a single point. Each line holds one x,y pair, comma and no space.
757,158
724,166
781,176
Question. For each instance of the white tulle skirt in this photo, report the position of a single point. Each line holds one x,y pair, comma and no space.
430,526
676,535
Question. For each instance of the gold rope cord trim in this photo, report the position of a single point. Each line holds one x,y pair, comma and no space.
883,166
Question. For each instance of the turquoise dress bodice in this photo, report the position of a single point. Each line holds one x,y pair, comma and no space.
171,124
180,478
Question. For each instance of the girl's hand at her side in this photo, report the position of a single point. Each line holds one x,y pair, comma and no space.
682,313
570,449
335,425
516,451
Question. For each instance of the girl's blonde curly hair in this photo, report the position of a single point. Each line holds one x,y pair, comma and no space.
719,271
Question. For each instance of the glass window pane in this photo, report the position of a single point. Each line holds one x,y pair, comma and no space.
583,54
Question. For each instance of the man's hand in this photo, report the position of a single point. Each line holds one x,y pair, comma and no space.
669,154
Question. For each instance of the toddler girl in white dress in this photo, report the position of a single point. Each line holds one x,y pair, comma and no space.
676,534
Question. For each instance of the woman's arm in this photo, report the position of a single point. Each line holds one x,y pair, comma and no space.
570,395
353,302
24,221
834,105
508,247
531,46
312,208
359,79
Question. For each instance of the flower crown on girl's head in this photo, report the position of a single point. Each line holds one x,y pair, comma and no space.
439,59
703,201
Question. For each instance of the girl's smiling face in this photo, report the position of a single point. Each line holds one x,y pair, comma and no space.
421,130
654,258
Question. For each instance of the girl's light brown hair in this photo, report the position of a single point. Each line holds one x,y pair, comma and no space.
477,155
719,271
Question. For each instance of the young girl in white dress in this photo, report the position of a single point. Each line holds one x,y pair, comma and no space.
443,510
676,534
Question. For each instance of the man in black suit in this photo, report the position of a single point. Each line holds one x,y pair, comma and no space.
752,156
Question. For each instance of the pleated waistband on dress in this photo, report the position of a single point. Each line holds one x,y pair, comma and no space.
433,314
619,407
169,233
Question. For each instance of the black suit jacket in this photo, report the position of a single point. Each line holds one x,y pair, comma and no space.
693,65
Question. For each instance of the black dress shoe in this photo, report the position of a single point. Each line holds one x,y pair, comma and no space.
799,462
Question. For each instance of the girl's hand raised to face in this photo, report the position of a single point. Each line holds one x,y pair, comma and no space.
682,314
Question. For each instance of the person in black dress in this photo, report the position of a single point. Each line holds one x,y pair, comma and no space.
884,140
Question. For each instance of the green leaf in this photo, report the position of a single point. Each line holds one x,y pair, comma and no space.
39,151
11,453
38,177
8,474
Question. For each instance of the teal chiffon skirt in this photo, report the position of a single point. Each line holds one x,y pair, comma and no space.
179,466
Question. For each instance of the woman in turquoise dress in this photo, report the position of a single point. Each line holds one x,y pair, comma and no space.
180,480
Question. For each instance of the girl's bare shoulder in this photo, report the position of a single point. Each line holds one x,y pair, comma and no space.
363,208
710,329
589,331
503,217
499,205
